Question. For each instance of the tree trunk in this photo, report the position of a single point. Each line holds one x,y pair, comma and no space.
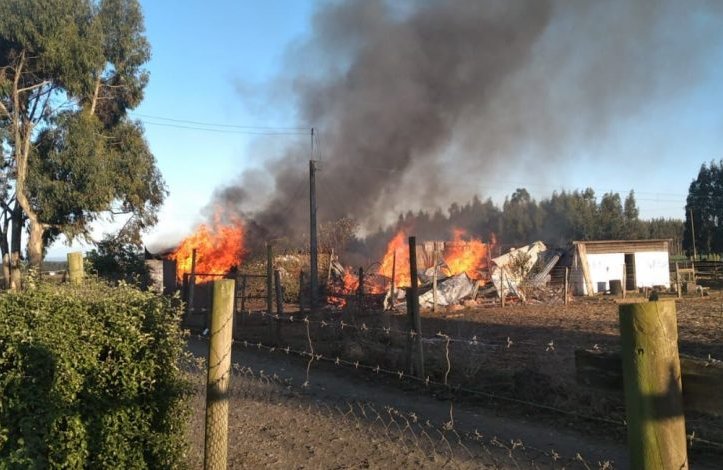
5,252
35,244
23,132
6,270
15,247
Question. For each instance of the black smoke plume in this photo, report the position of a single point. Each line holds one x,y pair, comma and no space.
421,103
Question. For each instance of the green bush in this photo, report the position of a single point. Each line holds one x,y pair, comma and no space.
116,259
91,377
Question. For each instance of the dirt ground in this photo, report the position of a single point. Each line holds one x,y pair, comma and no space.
522,351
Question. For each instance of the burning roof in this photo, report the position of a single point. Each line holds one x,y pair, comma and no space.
219,247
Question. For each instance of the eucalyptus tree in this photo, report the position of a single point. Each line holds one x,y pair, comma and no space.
70,70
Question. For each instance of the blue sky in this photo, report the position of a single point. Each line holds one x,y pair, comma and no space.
203,52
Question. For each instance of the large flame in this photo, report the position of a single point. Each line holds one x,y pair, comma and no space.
469,256
397,254
219,247
462,254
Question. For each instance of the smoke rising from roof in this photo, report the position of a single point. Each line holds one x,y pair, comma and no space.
419,103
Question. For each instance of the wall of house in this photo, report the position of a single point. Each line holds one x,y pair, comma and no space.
604,267
652,269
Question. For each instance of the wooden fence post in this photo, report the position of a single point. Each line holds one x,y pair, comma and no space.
360,289
279,304
269,279
394,274
219,372
243,292
678,287
413,301
567,285
191,282
243,299
279,292
75,267
270,290
653,391
434,279
301,292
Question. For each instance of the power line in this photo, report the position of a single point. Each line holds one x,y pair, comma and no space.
223,131
231,126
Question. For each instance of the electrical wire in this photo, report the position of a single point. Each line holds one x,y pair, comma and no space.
231,126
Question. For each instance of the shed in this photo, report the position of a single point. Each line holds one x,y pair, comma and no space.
639,263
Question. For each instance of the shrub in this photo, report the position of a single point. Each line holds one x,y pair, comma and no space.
91,377
116,259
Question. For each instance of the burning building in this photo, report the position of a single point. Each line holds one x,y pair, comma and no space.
218,246
463,255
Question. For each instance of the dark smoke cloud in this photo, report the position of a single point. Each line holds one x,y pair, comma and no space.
421,103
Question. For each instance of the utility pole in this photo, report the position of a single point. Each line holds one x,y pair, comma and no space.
692,229
313,249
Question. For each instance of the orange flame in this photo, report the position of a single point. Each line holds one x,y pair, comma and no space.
219,247
469,256
462,254
397,253
351,281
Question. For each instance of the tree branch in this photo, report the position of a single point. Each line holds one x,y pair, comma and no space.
32,87
114,212
95,95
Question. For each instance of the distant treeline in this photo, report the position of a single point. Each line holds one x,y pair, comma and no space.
556,220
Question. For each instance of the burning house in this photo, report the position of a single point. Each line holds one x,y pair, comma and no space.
213,251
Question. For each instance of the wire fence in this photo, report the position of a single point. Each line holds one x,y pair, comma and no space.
463,362
385,435
473,365
534,374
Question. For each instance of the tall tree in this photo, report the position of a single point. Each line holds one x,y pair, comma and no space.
583,210
632,227
69,72
521,220
611,217
705,203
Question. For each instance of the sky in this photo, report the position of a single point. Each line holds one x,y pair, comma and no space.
210,58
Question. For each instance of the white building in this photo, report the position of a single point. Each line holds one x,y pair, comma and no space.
636,263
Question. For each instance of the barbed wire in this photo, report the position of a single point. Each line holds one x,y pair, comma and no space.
548,346
407,428
401,375
427,381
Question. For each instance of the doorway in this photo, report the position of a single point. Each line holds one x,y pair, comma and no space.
629,272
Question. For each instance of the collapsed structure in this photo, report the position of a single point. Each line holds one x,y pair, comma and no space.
460,270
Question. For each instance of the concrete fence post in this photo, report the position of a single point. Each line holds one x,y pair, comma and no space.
75,267
219,374
653,389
